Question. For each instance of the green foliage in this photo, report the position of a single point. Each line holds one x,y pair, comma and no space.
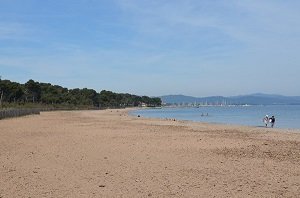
53,96
12,91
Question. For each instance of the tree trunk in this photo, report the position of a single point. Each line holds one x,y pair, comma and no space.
1,97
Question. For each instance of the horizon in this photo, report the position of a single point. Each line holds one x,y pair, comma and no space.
98,91
238,95
196,48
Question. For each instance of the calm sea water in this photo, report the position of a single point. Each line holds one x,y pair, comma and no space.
287,116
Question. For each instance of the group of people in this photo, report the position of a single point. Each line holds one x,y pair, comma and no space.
204,114
267,120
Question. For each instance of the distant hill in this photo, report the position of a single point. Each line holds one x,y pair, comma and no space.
252,99
178,99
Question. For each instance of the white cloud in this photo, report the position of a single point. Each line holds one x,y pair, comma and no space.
181,43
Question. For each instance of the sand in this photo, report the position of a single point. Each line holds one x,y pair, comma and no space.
110,154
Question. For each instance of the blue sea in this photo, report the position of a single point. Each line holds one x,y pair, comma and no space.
287,116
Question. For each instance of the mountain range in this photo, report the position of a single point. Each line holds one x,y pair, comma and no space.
252,99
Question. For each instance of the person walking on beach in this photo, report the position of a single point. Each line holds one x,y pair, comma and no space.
266,120
272,120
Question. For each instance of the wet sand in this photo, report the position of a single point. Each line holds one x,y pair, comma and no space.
110,154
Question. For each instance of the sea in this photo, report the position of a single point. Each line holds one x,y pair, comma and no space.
287,116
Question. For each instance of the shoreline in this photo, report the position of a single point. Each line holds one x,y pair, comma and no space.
213,123
275,129
110,153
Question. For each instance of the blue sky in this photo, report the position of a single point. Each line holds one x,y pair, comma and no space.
192,47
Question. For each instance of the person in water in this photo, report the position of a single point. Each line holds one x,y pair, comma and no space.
266,120
272,120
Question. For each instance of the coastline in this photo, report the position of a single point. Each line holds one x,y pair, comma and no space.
130,112
286,116
110,153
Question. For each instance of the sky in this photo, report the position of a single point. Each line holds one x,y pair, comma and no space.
154,48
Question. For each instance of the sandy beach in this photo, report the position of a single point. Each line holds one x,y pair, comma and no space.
111,154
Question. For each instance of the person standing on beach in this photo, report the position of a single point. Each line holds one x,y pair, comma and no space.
272,119
266,120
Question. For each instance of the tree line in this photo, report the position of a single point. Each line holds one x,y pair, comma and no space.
46,94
